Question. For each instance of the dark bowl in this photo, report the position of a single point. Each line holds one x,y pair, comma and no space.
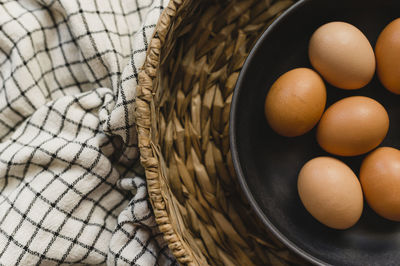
268,164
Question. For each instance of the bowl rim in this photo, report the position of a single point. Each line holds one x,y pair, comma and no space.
232,141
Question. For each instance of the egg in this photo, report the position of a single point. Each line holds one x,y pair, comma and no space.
295,102
331,192
387,51
342,55
380,180
352,126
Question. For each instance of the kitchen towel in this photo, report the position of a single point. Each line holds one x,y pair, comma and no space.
71,187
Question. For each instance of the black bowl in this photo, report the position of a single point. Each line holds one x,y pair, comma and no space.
268,164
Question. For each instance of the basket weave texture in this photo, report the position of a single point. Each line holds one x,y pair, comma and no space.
183,103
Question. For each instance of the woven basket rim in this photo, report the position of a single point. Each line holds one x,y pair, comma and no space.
148,155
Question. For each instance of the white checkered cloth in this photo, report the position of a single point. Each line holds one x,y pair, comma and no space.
68,147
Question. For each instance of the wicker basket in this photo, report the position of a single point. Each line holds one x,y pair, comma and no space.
183,104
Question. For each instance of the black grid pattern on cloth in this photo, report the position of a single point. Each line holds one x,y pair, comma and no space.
136,226
69,190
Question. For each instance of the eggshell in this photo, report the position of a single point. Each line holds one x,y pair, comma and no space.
342,55
295,102
353,126
387,52
331,192
380,180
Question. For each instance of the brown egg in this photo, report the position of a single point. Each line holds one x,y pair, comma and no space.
331,192
353,126
295,102
342,55
380,180
387,52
